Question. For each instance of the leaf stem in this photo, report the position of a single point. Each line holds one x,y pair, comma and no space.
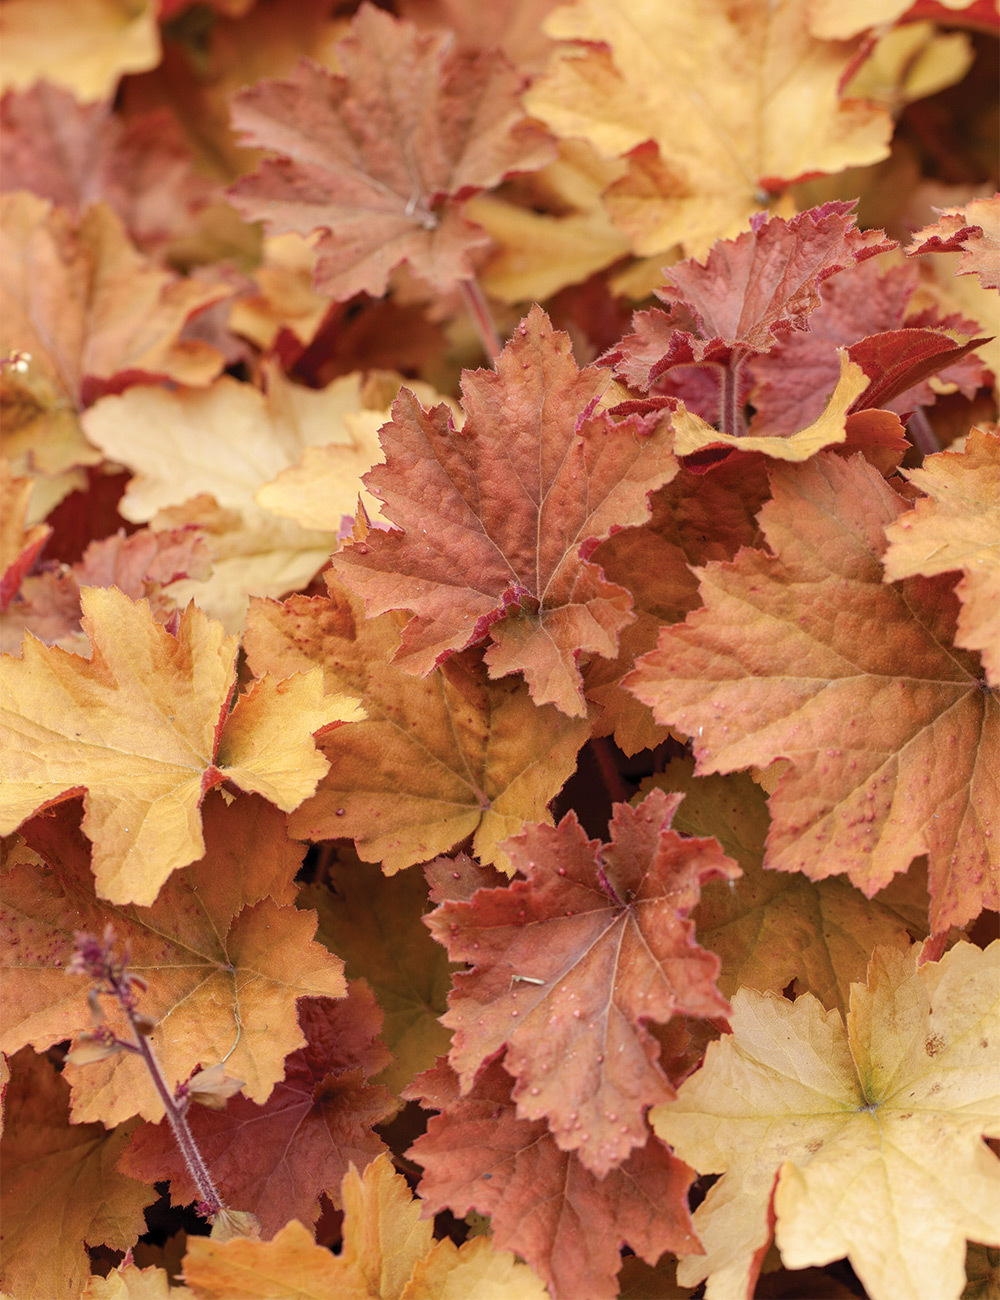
730,407
613,780
478,309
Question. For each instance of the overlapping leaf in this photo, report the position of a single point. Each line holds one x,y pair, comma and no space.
224,952
498,518
749,293
61,1191
975,231
378,154
543,1202
571,963
649,72
436,759
957,526
855,1125
389,1253
275,1159
806,654
772,927
144,728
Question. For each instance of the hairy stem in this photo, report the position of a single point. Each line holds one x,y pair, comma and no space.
478,309
193,1158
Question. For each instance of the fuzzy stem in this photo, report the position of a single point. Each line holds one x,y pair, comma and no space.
476,306
175,1115
730,408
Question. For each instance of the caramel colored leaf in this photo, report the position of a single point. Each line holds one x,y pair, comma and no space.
291,1267
806,654
142,727
84,45
957,526
437,758
223,952
498,518
543,1202
373,154
570,964
771,927
87,306
275,1159
692,433
873,1133
61,1189
776,114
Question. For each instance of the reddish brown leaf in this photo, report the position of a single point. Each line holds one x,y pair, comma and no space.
543,1202
793,380
570,964
499,517
805,654
749,292
274,1160
379,155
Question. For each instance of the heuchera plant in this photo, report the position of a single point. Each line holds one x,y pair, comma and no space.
500,691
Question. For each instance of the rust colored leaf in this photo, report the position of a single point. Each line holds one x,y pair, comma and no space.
379,154
571,963
497,519
143,726
19,545
276,1158
437,758
806,654
61,1190
223,951
543,1202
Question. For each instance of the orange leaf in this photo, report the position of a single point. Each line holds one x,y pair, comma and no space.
223,952
389,1254
806,654
975,230
142,727
569,966
499,517
61,1190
